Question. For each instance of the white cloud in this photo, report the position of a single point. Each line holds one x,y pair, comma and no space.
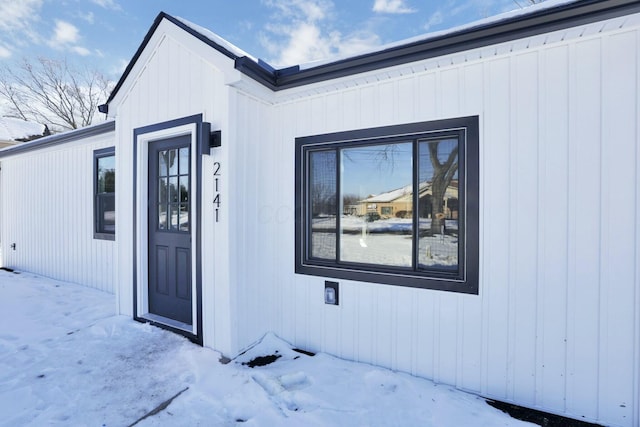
4,52
65,33
118,69
392,6
358,43
455,12
315,11
18,14
66,37
82,51
310,10
245,25
89,17
107,4
305,44
22,26
17,19
301,32
435,19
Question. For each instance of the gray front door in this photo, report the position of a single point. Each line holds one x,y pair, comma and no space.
170,229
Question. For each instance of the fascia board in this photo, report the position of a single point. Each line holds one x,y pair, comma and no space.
60,138
134,71
165,24
535,42
168,29
539,22
196,45
458,40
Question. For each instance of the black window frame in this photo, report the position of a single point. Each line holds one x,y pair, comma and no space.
465,279
98,232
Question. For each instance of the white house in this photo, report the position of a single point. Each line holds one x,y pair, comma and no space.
231,180
14,131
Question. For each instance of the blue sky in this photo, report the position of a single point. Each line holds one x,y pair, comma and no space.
104,34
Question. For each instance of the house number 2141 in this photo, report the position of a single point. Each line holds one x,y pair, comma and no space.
216,182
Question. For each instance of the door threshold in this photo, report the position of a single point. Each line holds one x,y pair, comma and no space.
174,324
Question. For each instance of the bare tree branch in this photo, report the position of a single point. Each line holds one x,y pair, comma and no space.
51,92
443,173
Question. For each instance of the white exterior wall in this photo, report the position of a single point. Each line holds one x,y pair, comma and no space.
178,76
556,323
47,211
261,198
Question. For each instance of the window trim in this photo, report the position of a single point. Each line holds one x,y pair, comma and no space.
467,281
97,155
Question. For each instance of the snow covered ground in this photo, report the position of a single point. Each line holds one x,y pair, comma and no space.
384,242
65,359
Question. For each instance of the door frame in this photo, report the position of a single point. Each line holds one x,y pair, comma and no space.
143,136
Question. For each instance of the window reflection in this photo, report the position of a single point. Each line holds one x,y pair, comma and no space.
323,204
184,160
373,208
105,204
173,189
184,217
377,204
400,202
171,161
438,203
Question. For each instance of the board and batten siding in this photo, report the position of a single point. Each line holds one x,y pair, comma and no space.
556,323
47,212
256,216
179,76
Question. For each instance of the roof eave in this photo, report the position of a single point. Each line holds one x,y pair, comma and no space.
538,22
528,24
145,42
59,138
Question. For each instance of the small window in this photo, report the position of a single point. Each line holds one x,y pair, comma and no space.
104,193
396,205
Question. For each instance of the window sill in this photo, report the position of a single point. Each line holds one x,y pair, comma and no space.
104,236
390,278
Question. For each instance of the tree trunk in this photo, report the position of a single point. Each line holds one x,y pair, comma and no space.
443,173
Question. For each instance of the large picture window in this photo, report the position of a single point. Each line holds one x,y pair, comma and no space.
395,205
104,209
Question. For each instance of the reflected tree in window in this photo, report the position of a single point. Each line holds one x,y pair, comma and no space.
377,177
407,205
173,189
444,161
323,204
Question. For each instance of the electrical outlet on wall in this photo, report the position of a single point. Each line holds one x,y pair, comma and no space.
331,293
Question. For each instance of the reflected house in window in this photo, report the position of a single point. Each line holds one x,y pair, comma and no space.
420,233
15,131
398,203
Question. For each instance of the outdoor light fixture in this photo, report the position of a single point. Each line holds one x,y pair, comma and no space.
210,139
215,139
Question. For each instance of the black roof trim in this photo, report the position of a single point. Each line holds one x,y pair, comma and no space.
131,63
545,20
257,72
59,138
264,73
528,24
147,38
